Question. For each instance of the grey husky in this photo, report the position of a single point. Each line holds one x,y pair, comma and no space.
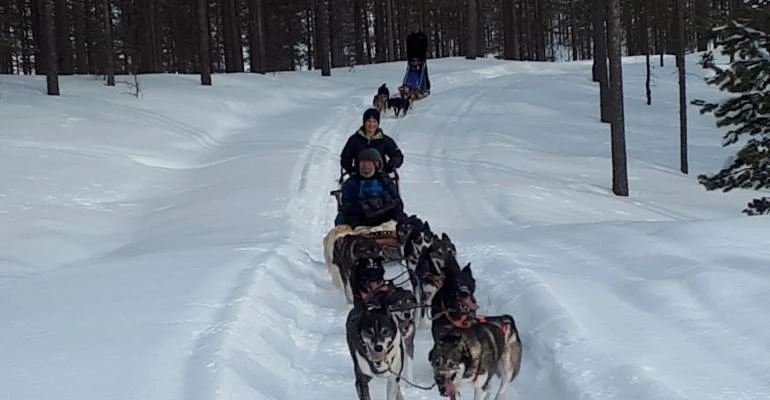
431,271
376,346
472,355
347,251
403,307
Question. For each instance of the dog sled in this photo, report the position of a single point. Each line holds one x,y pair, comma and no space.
384,234
415,79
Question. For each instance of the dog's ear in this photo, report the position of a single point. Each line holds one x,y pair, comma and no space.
427,226
445,237
467,268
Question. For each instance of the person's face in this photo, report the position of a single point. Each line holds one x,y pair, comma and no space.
371,126
366,167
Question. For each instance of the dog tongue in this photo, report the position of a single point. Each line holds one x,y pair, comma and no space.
449,389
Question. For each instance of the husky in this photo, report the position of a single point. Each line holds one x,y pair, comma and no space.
403,307
376,346
472,355
430,272
454,304
420,237
380,100
368,278
399,105
404,228
406,92
347,251
383,90
380,103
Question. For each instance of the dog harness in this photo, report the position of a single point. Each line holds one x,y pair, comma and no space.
466,321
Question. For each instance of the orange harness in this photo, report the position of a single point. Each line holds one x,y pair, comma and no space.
465,321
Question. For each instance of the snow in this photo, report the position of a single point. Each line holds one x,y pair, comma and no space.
170,247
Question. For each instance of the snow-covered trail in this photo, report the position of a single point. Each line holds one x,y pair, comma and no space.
308,306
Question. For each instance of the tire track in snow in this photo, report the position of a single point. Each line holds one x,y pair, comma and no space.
198,136
438,143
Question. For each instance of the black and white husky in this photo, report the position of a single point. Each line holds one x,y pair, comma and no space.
414,236
472,355
404,307
376,346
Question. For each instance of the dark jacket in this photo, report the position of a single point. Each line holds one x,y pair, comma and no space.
417,46
391,154
370,201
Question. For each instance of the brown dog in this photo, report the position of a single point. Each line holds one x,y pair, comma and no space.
380,102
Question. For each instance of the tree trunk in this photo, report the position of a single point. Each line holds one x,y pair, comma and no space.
81,51
322,38
618,140
204,51
508,30
257,50
471,31
358,32
109,49
61,30
49,46
645,15
389,27
598,18
232,36
683,164
573,30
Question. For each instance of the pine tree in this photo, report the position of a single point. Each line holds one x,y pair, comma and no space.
748,113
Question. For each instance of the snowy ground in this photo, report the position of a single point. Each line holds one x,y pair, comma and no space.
170,247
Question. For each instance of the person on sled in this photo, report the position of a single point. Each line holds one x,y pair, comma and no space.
416,54
369,135
370,197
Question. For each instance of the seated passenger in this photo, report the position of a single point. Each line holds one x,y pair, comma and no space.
370,197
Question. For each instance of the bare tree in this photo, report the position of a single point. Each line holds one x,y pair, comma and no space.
645,11
49,46
322,38
617,126
647,82
598,18
204,55
683,164
109,50
258,52
472,31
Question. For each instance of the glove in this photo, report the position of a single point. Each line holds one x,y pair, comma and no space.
376,207
389,167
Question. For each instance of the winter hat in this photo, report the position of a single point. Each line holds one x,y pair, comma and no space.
371,154
371,113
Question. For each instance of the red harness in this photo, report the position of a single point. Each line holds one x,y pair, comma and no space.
466,321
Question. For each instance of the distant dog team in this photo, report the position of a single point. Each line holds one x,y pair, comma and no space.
382,100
